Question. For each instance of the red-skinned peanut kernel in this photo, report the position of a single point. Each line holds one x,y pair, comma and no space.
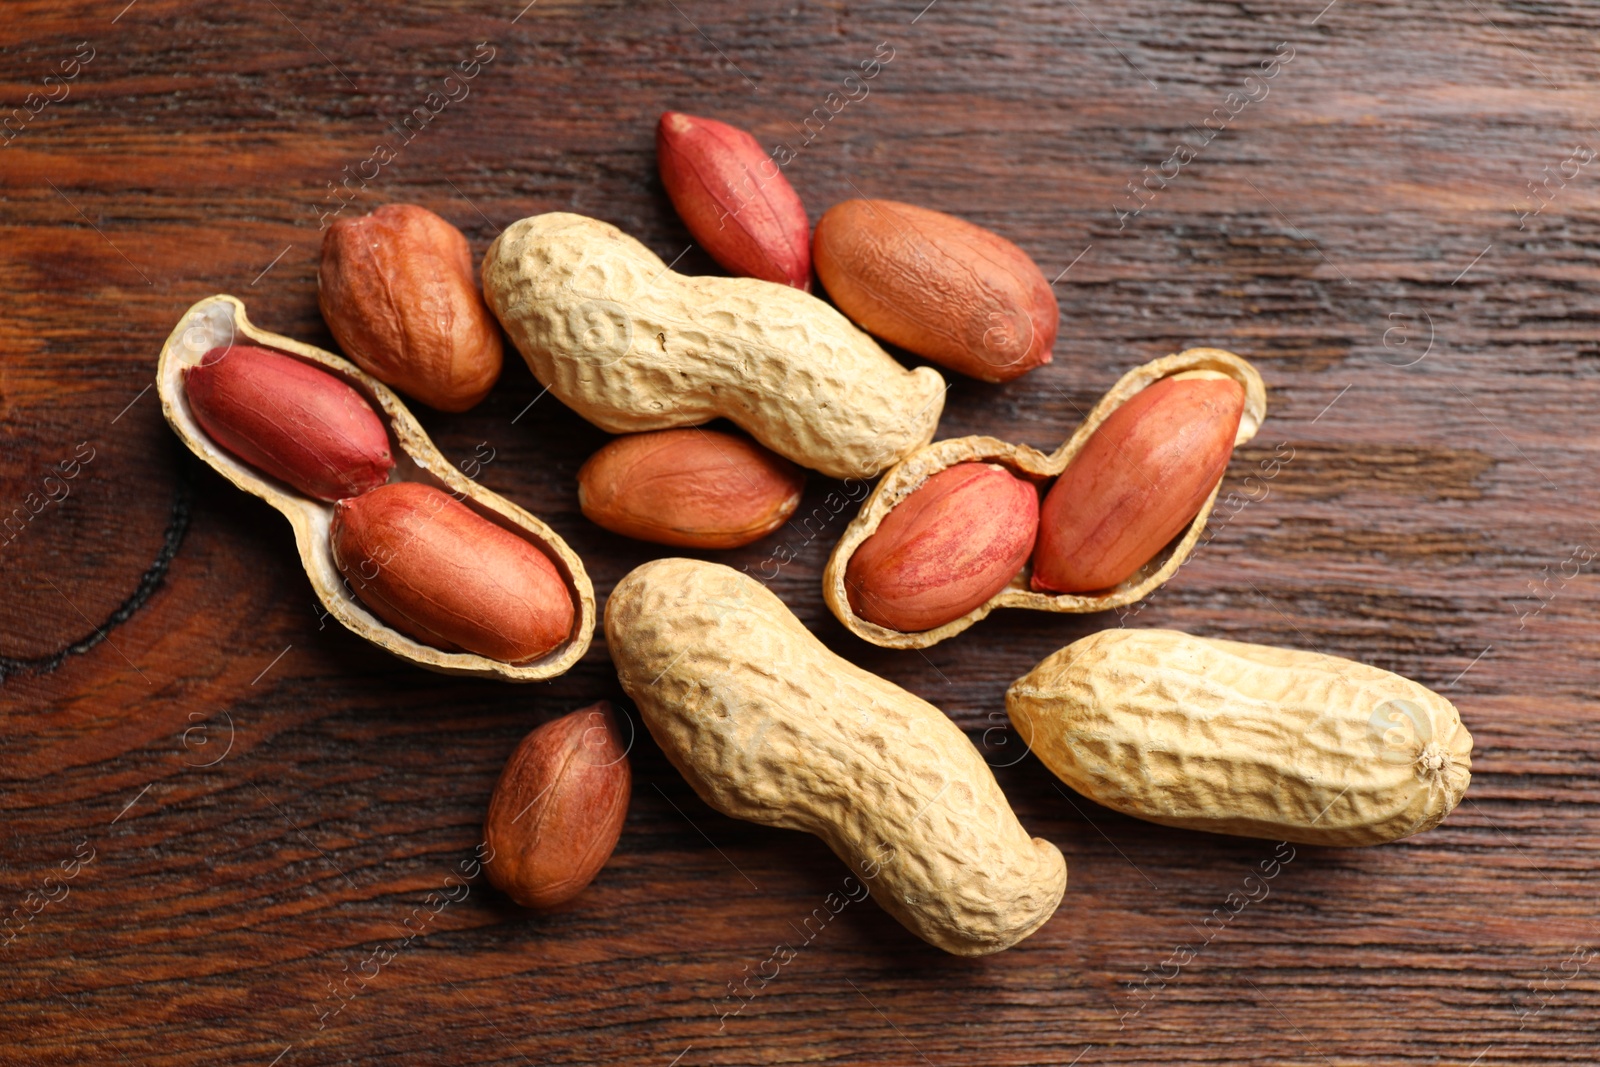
949,546
1139,480
289,419
734,199
433,568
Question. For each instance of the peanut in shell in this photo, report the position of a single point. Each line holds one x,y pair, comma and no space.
631,345
1244,739
219,321
767,724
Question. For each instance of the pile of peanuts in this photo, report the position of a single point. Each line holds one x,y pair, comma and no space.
761,719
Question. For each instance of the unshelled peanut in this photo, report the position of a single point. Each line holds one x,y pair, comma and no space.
433,568
956,541
631,346
1136,484
289,419
1244,739
768,725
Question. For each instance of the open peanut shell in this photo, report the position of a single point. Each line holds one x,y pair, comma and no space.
1035,466
220,320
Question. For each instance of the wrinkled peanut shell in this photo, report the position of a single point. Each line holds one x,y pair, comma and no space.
767,724
1235,738
631,345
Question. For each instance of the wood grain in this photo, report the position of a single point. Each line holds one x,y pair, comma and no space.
268,800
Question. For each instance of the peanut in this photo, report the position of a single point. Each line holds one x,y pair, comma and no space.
433,568
558,808
734,199
290,419
1155,560
1138,481
938,286
397,290
219,322
768,725
947,548
632,346
692,488
1244,739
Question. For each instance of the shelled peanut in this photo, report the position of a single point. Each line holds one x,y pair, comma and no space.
299,424
691,488
950,546
734,199
1244,739
558,808
1126,498
936,285
1138,481
433,568
398,291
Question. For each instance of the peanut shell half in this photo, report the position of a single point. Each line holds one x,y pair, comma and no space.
221,320
904,478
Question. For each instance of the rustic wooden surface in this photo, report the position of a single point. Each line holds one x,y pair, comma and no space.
259,808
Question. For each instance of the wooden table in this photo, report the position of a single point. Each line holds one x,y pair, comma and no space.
254,803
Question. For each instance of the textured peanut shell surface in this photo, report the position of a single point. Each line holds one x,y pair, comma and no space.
1039,467
221,320
768,725
1244,739
630,345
